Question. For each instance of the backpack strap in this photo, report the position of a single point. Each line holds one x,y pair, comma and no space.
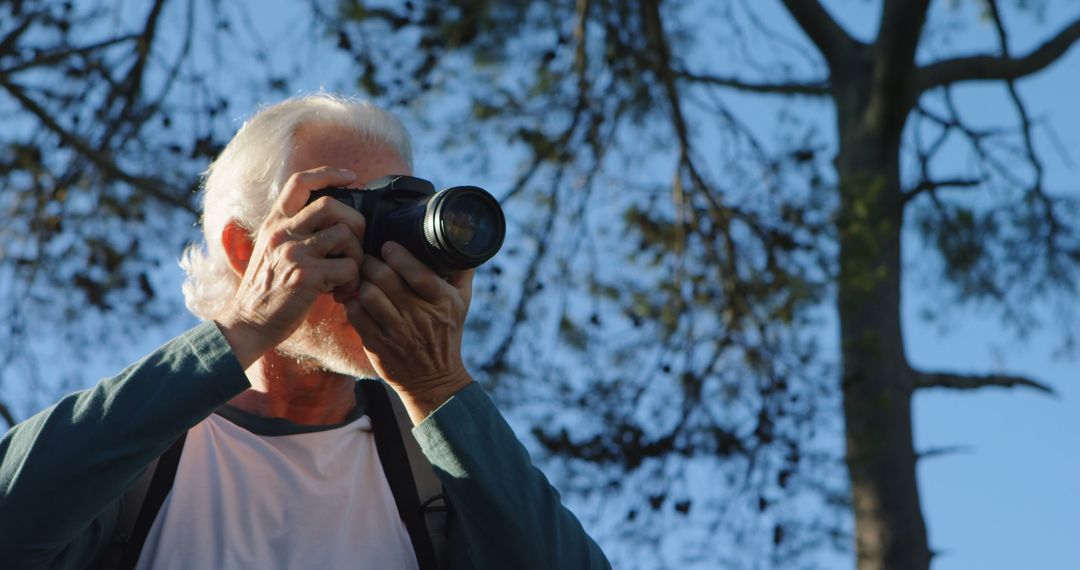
130,503
433,499
417,491
156,492
139,506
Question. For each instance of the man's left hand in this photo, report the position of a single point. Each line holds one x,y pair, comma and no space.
411,321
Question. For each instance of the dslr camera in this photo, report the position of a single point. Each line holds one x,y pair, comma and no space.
449,231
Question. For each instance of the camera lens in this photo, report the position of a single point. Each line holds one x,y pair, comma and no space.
465,225
470,224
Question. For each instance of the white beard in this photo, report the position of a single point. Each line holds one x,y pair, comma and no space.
321,347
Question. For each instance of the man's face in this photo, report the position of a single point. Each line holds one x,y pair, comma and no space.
326,340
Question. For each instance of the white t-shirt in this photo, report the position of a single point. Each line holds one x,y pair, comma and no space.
306,500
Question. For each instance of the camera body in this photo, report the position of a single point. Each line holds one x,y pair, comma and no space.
449,231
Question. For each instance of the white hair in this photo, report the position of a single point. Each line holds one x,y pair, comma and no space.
244,181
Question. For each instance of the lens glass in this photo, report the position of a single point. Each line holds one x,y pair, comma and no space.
470,224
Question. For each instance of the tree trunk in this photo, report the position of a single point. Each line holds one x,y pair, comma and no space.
877,387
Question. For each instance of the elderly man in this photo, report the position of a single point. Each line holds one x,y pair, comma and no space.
255,414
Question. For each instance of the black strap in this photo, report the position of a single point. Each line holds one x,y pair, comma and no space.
395,464
159,488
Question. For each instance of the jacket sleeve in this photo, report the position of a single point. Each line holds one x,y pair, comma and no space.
504,507
63,471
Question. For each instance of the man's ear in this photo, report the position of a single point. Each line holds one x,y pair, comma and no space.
238,246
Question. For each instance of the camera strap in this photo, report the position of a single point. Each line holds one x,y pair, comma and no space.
417,491
139,507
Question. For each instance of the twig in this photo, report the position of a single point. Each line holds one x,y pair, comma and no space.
933,185
973,382
818,88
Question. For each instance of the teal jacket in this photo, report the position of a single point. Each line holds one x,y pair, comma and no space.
63,471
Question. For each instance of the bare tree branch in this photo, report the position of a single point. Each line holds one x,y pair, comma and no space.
795,45
978,139
1021,109
974,381
152,187
497,361
7,44
932,185
995,67
815,88
830,38
653,28
720,214
133,82
654,31
1026,130
935,452
56,56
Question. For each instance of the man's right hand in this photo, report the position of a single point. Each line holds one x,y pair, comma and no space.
300,252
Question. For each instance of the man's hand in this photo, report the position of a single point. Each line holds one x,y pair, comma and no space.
411,321
300,252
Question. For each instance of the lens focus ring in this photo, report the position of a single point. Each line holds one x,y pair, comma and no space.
465,224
